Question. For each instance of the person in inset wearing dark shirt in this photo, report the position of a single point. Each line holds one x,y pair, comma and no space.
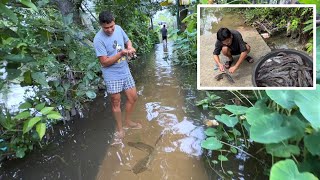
164,33
230,42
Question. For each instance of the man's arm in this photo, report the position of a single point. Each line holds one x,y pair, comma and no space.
242,57
106,61
218,62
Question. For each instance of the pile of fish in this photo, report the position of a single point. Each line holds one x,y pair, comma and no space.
284,70
220,76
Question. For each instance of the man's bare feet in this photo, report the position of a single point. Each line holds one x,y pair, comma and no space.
132,125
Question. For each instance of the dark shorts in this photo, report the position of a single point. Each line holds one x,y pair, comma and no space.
164,37
237,51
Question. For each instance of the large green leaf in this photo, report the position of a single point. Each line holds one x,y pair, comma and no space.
308,102
29,4
210,132
54,115
13,74
40,78
282,150
40,106
287,170
237,110
25,105
41,129
227,120
297,124
269,130
211,143
18,58
257,112
46,110
22,115
283,98
312,143
28,125
7,12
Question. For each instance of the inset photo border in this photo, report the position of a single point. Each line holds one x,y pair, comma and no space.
264,55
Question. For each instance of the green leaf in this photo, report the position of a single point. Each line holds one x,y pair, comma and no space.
22,115
40,78
210,132
287,170
40,106
54,115
222,158
283,98
237,110
234,150
20,153
18,58
29,4
27,79
46,110
25,105
41,129
257,112
269,130
7,12
28,125
227,120
211,143
282,150
13,74
91,94
312,143
72,55
308,102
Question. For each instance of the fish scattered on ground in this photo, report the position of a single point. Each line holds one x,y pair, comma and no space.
284,70
228,76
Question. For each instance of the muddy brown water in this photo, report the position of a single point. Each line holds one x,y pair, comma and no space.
166,105
85,150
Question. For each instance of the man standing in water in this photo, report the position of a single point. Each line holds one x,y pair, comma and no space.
113,47
230,42
164,33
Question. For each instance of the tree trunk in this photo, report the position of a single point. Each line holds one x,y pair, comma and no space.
151,20
67,7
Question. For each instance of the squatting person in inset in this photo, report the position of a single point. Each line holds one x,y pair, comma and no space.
113,48
230,42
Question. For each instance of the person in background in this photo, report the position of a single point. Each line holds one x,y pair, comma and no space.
164,33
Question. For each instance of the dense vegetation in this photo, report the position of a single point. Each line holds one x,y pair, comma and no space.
53,55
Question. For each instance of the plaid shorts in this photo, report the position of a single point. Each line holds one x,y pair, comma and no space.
116,86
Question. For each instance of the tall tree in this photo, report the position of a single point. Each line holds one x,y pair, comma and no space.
67,7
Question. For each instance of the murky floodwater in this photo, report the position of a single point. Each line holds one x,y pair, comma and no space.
85,151
212,19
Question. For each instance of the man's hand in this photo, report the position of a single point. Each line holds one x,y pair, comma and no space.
131,51
221,67
124,52
233,69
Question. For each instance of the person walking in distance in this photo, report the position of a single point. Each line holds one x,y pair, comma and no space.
164,33
113,47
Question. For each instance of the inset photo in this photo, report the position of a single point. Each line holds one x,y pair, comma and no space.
256,47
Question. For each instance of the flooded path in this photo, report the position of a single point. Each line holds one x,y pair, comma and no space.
161,110
85,151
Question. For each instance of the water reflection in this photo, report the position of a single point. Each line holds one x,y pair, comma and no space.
161,106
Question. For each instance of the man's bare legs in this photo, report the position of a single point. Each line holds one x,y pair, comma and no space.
130,104
115,103
227,52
